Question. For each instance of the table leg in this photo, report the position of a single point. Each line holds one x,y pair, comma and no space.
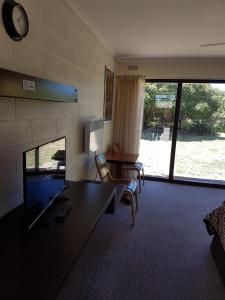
116,170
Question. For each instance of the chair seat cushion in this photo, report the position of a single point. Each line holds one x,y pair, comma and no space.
139,165
132,185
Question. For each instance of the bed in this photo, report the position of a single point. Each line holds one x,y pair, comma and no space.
215,225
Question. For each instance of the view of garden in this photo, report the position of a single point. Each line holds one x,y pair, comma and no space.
200,147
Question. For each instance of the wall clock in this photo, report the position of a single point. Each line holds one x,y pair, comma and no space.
15,20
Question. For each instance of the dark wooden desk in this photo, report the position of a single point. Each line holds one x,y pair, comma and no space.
119,159
34,266
119,189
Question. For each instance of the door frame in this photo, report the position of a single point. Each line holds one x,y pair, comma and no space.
171,179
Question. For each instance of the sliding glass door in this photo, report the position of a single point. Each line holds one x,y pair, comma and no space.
183,134
200,147
158,124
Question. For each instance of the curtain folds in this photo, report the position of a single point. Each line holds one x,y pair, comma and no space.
128,112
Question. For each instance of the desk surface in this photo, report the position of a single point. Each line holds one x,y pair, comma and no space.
120,157
34,266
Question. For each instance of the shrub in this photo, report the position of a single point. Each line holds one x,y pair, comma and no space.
198,127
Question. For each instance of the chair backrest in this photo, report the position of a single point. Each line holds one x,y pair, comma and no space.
116,148
102,167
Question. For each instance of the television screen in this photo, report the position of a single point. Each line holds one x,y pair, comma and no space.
44,178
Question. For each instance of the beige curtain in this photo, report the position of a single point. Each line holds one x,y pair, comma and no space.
128,112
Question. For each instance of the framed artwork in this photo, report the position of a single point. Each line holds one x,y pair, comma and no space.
108,98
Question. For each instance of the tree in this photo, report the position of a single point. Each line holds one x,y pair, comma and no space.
152,112
198,102
149,105
202,106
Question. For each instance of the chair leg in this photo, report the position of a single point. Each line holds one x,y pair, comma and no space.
132,209
131,196
143,176
136,198
139,179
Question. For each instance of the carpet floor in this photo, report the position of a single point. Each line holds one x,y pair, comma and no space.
166,255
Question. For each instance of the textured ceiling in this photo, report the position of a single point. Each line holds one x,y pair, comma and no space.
157,28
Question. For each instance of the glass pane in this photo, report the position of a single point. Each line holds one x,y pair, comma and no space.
158,123
51,155
30,160
200,150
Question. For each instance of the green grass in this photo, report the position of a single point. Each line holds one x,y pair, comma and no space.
196,157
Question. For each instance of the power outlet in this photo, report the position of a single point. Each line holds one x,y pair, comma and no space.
29,85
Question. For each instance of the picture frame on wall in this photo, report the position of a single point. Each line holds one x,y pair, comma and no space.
108,94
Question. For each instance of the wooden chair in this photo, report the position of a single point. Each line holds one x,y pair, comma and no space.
130,191
138,166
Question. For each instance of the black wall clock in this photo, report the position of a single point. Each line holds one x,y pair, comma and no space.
15,20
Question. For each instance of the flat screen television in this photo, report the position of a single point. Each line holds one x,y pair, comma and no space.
44,178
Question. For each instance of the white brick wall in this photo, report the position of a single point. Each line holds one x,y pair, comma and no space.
8,162
13,133
7,109
175,68
59,47
29,109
